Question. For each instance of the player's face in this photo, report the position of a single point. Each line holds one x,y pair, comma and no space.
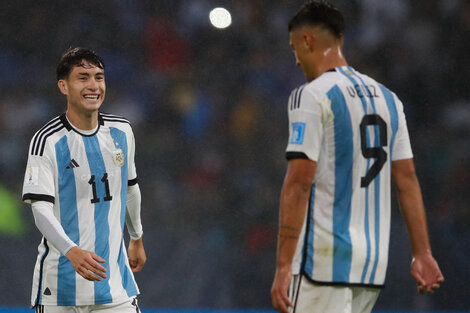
301,51
85,88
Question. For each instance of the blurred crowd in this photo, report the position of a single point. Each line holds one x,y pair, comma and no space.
209,112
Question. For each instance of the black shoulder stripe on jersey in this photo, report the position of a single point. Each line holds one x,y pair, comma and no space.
292,97
295,98
38,197
41,131
295,155
42,144
110,115
132,182
107,115
299,94
52,129
119,120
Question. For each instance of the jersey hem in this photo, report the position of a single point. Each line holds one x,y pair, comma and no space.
132,182
93,302
344,284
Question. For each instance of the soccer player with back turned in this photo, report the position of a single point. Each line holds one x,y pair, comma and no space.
81,182
348,139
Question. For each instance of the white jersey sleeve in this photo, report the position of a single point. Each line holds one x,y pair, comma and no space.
402,147
39,177
307,114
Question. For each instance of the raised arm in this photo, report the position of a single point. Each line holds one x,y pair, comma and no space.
424,267
295,194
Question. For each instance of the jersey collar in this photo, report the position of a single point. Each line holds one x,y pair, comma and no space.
69,127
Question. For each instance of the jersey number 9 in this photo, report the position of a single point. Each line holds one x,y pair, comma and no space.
377,153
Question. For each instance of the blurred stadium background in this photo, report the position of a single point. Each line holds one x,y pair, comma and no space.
208,107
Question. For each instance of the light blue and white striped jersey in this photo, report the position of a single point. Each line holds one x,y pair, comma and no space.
353,127
86,178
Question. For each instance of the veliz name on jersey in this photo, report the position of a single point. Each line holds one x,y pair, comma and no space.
362,91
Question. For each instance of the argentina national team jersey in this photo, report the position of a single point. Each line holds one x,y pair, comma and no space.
86,178
353,127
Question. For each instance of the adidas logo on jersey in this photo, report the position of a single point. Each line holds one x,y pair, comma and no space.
47,292
72,164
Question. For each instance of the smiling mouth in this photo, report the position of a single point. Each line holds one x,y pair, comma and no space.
91,97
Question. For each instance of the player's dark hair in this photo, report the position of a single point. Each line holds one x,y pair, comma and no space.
74,57
319,13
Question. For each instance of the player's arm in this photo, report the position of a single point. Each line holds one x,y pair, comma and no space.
39,190
136,251
295,195
424,267
84,262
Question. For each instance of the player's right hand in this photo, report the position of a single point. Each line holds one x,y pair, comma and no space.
86,264
282,280
426,272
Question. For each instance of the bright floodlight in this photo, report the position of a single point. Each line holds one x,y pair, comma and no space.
220,18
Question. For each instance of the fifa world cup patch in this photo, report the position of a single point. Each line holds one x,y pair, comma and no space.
32,176
298,132
118,157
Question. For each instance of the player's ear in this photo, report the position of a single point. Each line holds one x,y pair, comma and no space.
309,41
63,86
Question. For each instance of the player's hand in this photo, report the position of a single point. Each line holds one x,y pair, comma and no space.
136,253
426,272
279,289
86,263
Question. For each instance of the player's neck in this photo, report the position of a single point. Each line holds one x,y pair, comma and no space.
329,58
82,120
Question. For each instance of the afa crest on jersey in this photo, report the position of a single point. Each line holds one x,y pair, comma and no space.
118,157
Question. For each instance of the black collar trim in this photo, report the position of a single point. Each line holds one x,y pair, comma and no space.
69,127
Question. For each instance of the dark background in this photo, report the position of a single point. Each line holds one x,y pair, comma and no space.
208,108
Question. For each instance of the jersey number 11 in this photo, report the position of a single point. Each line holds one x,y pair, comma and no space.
92,182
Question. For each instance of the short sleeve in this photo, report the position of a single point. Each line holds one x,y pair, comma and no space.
39,177
305,125
402,146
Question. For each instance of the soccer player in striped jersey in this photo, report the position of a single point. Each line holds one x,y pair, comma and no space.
348,139
81,182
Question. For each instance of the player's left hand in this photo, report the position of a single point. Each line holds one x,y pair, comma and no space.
136,253
282,280
426,272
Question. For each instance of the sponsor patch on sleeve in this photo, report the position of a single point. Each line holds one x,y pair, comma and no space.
32,176
298,132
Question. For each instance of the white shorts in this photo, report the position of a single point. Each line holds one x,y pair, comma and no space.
308,297
130,306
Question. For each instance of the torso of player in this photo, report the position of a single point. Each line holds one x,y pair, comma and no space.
97,163
353,128
85,175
